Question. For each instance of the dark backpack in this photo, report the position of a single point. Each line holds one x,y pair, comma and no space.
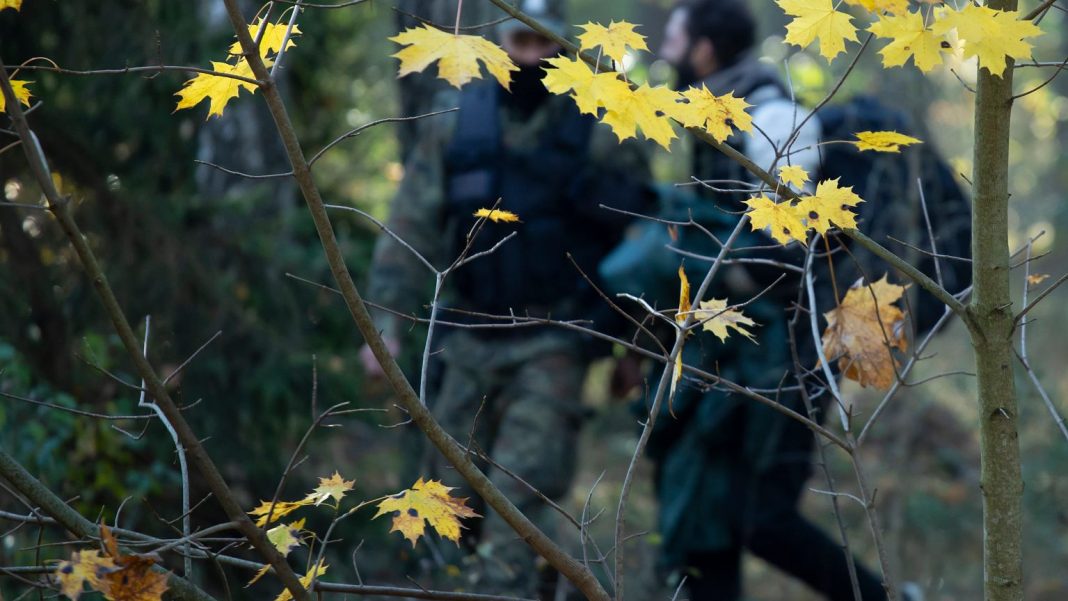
892,213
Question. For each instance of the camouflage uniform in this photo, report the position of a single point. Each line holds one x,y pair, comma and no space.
524,385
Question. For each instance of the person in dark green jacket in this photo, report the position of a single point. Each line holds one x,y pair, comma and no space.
730,470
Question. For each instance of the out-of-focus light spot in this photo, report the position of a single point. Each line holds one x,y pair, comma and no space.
31,227
1045,243
12,187
394,171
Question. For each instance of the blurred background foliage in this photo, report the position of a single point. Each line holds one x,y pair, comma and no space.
203,252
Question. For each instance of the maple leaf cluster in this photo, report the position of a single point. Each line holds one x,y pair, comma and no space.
219,89
287,537
625,108
791,220
923,34
426,502
119,577
714,316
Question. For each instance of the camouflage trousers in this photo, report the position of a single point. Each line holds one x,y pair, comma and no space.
518,401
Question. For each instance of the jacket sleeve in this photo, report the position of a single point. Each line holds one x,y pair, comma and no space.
777,119
398,279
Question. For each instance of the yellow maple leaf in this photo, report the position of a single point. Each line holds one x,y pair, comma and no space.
829,206
793,175
286,537
15,4
589,89
335,486
281,509
497,215
881,6
818,19
220,90
426,502
21,92
271,41
457,55
133,579
626,111
992,35
883,141
84,567
863,331
684,298
613,39
716,317
909,38
260,573
680,318
318,570
714,114
1036,278
783,222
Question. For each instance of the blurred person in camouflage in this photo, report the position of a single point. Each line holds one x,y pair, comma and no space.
515,392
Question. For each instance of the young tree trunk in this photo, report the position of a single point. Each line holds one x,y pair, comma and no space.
991,307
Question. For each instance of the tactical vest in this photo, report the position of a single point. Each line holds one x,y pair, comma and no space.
531,271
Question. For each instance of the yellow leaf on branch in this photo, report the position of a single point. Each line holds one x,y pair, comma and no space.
21,92
286,537
281,509
817,19
684,297
909,38
84,567
1036,278
15,4
133,578
497,215
883,141
793,175
335,486
219,90
590,90
992,35
643,108
426,502
457,55
271,41
716,317
783,221
613,40
881,6
715,114
829,206
863,331
680,318
318,570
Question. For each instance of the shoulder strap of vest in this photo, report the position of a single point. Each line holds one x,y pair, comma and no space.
477,135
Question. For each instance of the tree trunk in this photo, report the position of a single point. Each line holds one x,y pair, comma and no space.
991,307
